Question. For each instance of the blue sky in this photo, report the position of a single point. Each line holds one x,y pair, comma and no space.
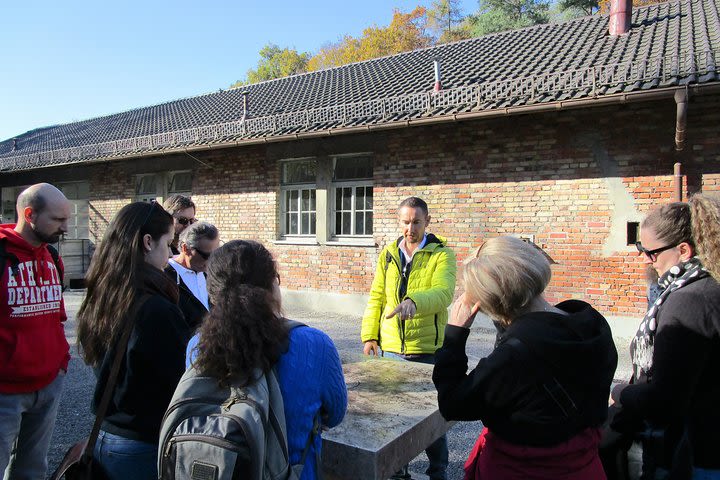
66,61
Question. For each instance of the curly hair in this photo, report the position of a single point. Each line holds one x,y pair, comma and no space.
504,276
705,216
244,330
696,222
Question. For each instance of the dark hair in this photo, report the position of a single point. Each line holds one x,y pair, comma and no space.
196,232
415,202
244,331
114,275
175,203
696,222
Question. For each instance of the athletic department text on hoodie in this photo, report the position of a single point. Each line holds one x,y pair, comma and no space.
33,347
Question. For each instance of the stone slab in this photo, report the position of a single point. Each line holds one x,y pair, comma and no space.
392,416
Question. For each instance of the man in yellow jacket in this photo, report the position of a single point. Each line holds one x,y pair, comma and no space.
407,312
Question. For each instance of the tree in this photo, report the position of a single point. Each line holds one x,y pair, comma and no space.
580,7
604,5
275,62
405,32
445,21
500,15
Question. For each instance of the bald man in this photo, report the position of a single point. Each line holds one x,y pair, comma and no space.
34,354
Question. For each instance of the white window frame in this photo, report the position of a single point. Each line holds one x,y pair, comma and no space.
162,186
354,183
285,190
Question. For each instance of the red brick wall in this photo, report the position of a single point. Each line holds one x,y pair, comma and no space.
570,178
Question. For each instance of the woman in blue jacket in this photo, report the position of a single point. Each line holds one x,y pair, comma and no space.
245,330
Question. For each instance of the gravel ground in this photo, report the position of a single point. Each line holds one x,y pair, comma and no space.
75,420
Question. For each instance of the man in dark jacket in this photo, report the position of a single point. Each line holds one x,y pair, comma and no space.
33,348
182,209
187,269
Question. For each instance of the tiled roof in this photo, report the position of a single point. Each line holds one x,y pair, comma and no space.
669,44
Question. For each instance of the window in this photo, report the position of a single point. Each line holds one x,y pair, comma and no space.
328,198
157,186
299,197
179,182
353,199
633,229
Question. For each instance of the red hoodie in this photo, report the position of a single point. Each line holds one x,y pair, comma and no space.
33,348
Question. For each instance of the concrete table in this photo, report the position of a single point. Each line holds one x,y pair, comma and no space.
392,416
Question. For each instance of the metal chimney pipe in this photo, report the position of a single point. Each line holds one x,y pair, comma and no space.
245,105
681,99
436,65
620,16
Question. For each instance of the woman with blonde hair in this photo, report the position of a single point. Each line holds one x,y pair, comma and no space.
542,393
676,351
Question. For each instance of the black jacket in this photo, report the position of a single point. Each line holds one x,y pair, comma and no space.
508,390
151,369
686,361
192,308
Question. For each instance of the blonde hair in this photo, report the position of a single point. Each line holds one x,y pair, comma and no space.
504,275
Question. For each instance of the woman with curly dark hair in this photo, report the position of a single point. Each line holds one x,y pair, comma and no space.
245,331
127,266
676,351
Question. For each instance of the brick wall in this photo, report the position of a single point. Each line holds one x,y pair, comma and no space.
572,179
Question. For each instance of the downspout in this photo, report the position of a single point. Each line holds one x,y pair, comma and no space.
681,100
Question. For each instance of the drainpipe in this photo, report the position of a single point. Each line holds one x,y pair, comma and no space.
677,182
681,99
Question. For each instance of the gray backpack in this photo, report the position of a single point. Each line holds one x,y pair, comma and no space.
214,433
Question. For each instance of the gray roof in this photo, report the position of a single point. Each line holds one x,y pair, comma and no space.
669,44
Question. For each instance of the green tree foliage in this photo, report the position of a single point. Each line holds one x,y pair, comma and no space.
275,62
500,15
445,21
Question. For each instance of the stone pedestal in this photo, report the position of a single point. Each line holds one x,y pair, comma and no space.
392,416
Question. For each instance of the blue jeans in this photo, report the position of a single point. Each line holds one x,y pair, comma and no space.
437,452
705,474
123,458
27,421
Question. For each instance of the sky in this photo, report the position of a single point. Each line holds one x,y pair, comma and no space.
62,62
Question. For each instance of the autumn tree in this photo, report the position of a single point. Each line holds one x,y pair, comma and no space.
445,21
275,62
407,31
500,15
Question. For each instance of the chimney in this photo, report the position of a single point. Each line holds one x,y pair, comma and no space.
245,105
620,16
436,64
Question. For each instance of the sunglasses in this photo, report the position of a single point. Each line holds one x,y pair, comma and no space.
185,221
204,255
652,254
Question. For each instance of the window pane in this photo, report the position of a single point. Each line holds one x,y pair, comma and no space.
298,172
305,223
294,200
180,182
305,200
359,224
359,198
338,199
346,223
287,201
368,223
146,185
351,168
368,198
338,223
312,223
347,198
312,200
293,225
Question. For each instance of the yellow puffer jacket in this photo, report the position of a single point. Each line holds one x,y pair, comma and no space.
431,285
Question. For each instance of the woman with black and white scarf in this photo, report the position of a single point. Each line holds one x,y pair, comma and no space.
674,395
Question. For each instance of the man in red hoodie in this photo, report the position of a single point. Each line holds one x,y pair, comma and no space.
34,354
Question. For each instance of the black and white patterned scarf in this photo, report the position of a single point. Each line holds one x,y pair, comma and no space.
641,347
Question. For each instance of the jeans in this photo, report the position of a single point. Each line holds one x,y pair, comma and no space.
705,474
437,452
123,458
27,421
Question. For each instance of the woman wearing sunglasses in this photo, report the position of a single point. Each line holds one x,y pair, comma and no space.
674,393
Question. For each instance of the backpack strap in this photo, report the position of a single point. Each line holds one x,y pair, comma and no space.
56,260
14,262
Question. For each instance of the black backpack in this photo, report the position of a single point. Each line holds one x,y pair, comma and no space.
6,256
